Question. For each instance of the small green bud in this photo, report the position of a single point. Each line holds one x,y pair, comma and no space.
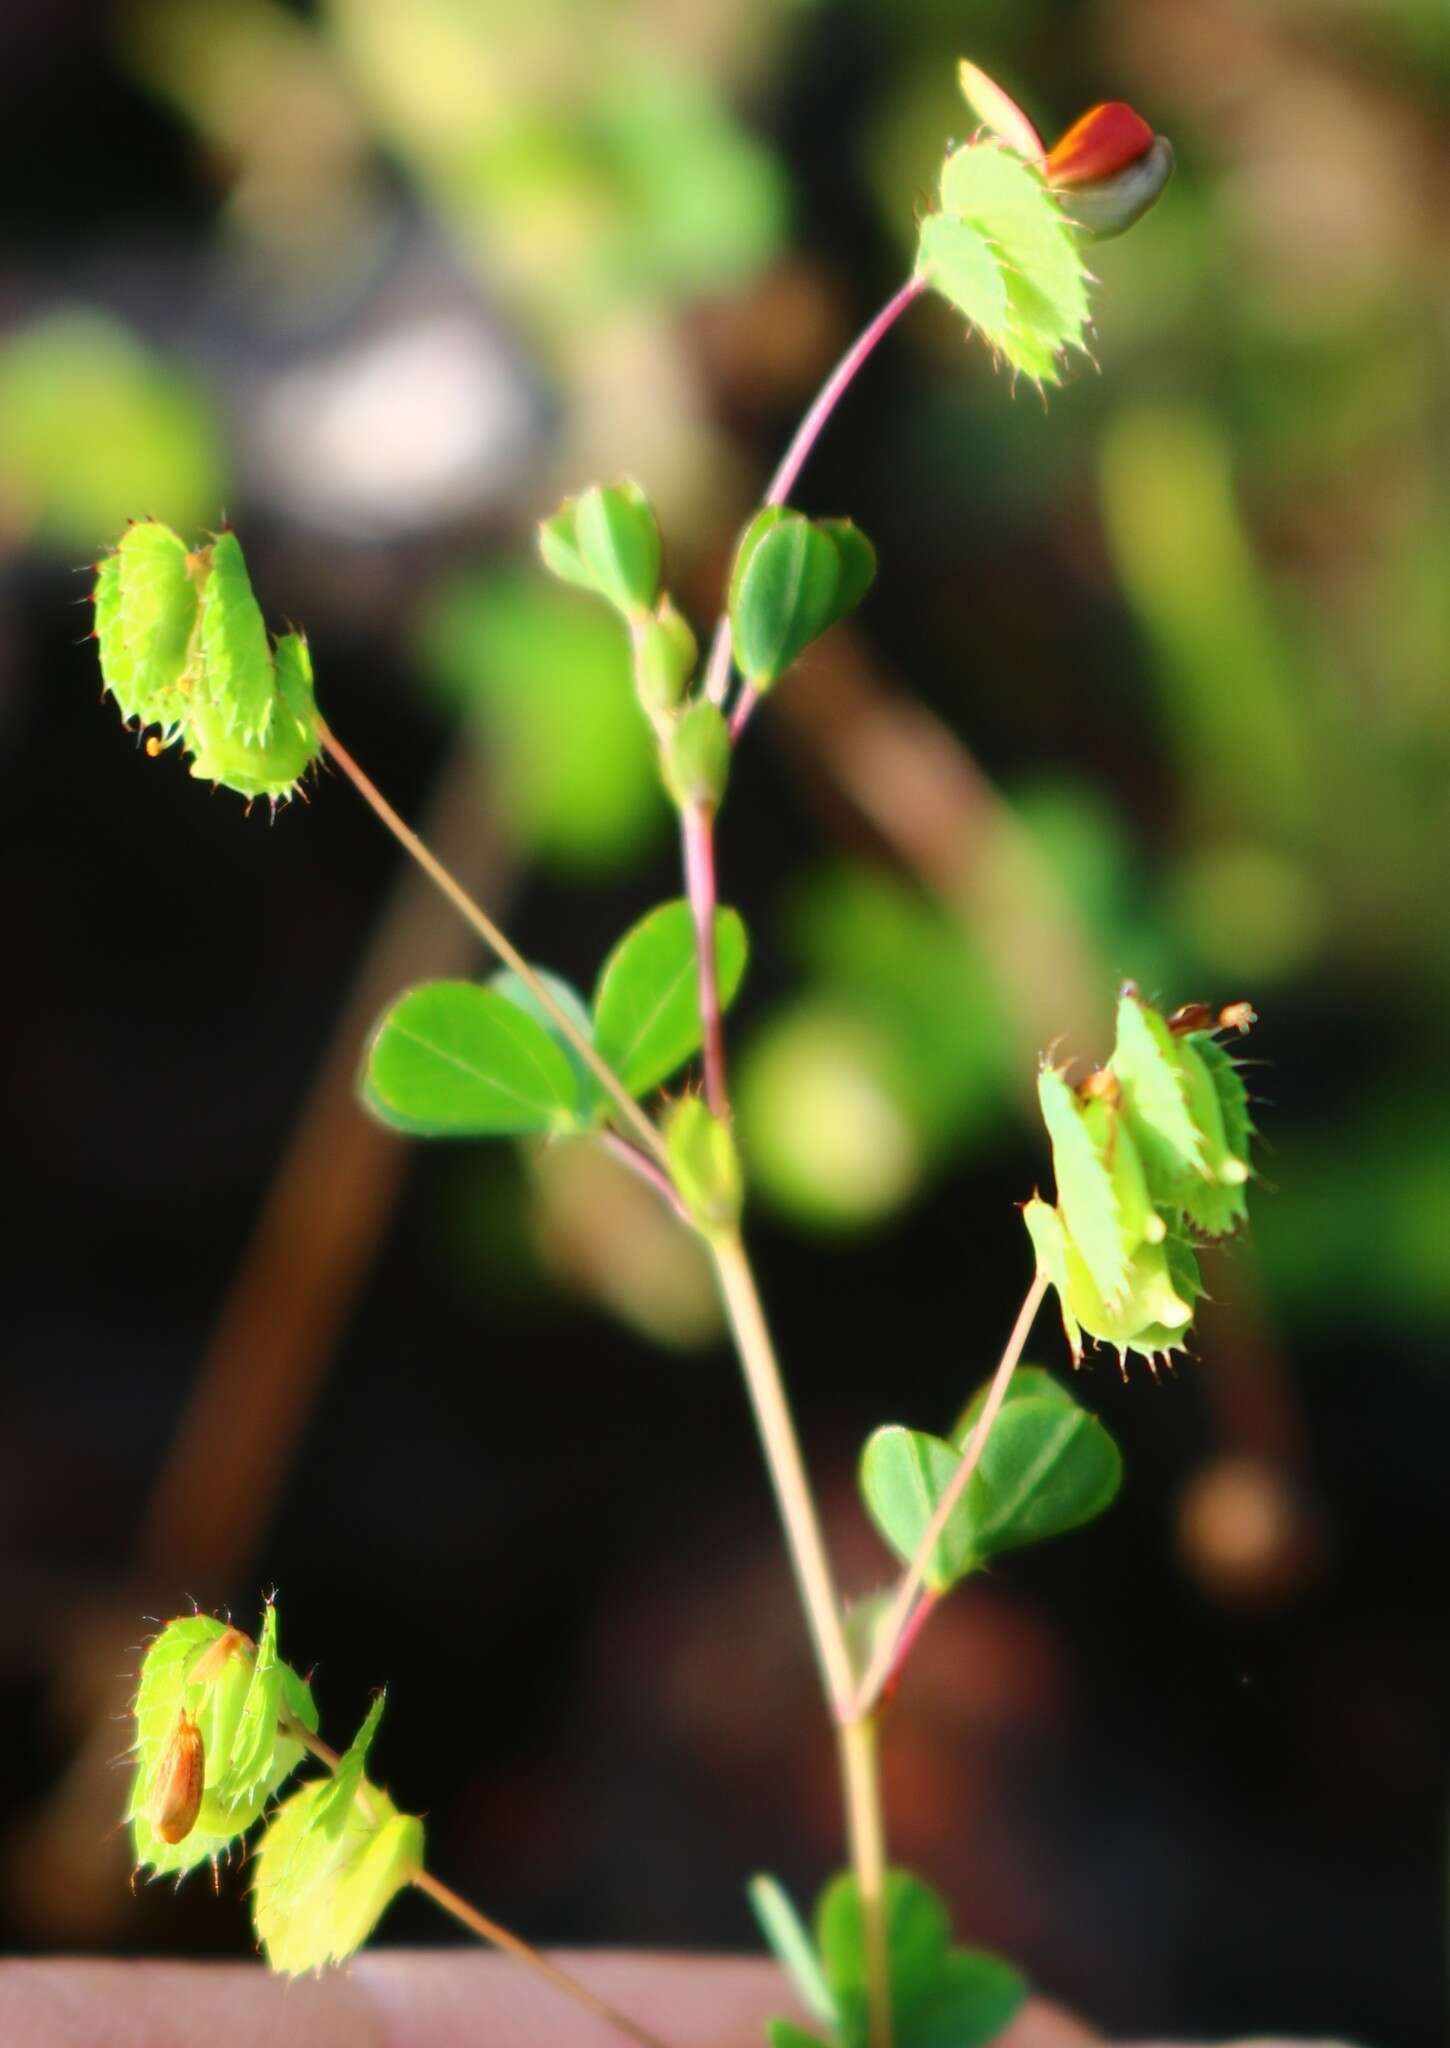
664,660
607,540
705,1166
695,757
793,578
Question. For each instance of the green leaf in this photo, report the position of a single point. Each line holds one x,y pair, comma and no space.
238,676
617,538
786,2034
793,578
977,1994
904,1473
1002,251
918,1934
1048,1467
1027,1381
647,1002
451,1059
856,558
320,1891
791,1945
559,546
591,1095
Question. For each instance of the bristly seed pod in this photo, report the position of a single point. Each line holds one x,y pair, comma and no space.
180,1778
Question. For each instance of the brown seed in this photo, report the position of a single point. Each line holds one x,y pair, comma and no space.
180,1777
1191,1017
218,1653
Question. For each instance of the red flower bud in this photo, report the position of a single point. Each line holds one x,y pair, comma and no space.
1105,141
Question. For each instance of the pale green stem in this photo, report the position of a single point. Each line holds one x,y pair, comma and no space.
855,1735
859,1765
479,1923
888,1640
497,940
787,1469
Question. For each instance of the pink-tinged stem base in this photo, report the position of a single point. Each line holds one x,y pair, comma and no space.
717,673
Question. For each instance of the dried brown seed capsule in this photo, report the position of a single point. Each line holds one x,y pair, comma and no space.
180,1776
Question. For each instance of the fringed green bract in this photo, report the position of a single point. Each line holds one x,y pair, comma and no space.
184,649
333,1859
1001,249
234,1690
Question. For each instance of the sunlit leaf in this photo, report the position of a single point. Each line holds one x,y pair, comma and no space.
452,1059
647,1003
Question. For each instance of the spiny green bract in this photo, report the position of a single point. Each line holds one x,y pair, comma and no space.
184,649
1002,250
333,1859
1151,1157
236,1691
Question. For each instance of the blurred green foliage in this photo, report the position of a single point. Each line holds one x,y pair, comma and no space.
547,679
96,429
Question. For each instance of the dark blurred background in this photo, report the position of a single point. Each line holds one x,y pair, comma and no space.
1153,683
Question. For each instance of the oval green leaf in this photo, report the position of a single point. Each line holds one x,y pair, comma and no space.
1048,1467
904,1473
647,1003
453,1060
785,597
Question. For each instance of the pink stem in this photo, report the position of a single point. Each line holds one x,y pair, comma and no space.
640,1163
921,1614
888,1641
717,673
698,826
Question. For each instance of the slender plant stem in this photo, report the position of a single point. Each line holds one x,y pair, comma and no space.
479,1923
698,833
717,673
787,1468
921,1614
489,1930
501,944
859,1765
640,1163
884,1657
